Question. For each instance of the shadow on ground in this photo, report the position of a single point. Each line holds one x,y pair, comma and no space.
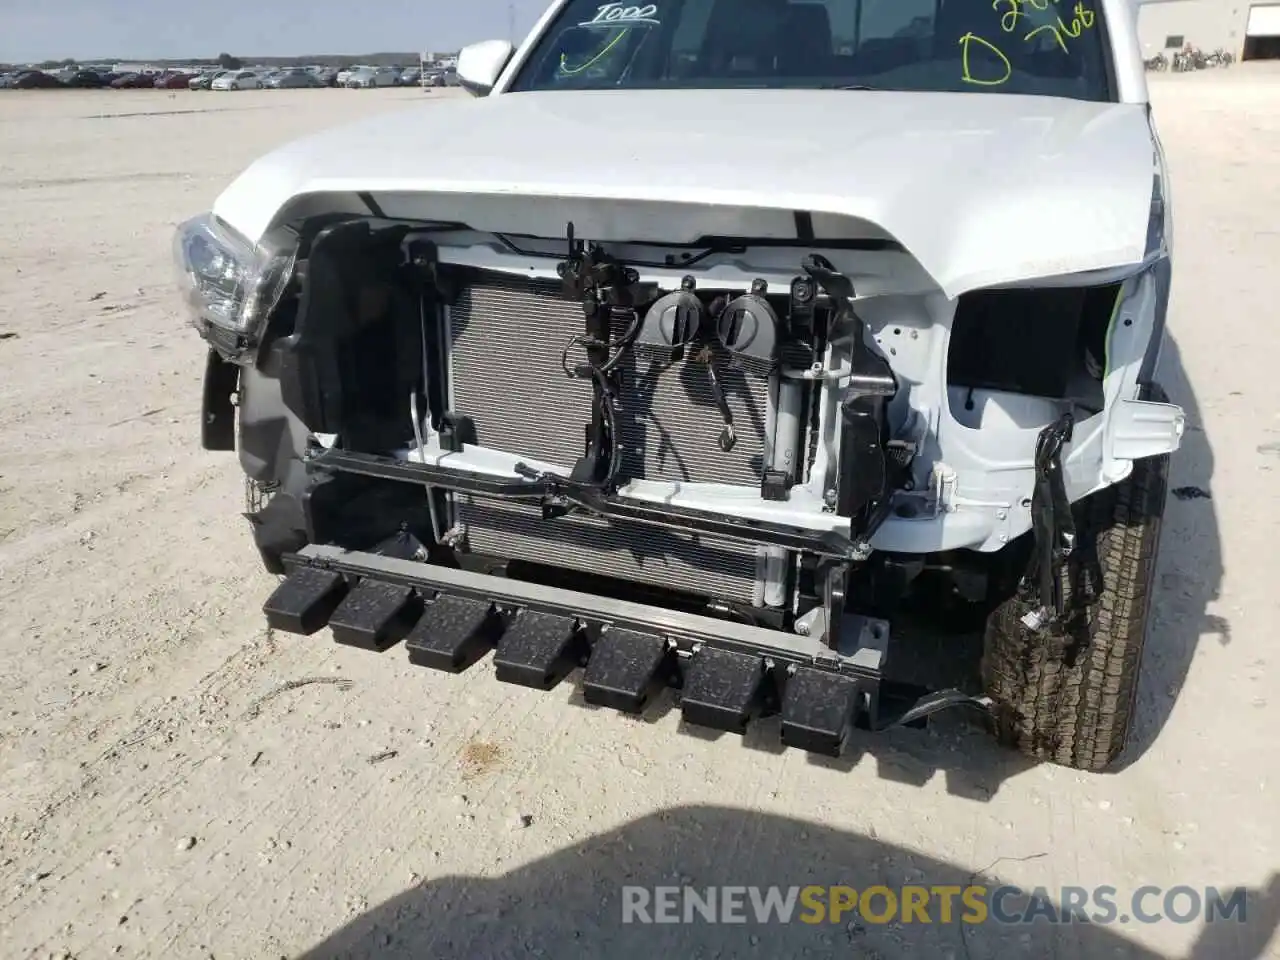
957,745
570,904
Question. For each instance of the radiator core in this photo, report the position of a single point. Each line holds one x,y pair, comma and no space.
506,336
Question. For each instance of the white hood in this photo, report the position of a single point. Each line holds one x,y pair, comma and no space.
980,188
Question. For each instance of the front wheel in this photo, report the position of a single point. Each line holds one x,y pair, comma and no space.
1067,693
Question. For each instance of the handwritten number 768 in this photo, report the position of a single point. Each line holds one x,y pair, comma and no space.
1081,20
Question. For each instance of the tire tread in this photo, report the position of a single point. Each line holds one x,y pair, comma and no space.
1067,695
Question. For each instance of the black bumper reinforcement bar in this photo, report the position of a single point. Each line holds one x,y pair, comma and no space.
729,673
564,491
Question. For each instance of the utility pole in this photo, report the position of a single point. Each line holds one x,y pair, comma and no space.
511,21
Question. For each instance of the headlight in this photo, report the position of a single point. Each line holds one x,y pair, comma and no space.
229,285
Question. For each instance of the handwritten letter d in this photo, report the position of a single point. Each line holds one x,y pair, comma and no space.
967,76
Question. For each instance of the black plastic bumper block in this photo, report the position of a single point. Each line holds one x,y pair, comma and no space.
626,668
818,710
375,615
453,633
305,600
538,650
723,690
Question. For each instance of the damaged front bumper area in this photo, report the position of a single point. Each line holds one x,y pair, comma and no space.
567,508
556,493
728,673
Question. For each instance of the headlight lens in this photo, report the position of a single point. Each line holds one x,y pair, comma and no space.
229,285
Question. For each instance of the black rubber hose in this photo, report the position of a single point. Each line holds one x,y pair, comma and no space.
600,376
611,422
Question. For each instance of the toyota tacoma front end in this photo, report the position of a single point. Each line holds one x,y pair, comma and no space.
704,337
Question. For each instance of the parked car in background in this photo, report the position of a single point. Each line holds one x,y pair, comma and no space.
203,80
35,80
133,81
294,79
237,80
409,76
372,77
172,81
328,76
345,74
87,80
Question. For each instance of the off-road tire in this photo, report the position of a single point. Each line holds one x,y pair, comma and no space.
1067,694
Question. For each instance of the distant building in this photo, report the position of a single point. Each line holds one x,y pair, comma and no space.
1249,30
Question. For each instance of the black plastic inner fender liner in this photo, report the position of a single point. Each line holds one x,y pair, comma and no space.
218,414
357,512
279,528
355,350
729,673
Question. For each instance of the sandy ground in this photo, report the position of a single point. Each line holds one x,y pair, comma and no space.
164,795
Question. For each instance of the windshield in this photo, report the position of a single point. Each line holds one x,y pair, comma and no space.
1044,47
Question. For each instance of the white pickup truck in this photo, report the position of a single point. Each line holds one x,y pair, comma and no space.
707,340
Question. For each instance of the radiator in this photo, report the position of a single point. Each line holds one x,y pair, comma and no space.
506,337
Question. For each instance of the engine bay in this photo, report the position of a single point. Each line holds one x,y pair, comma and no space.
720,445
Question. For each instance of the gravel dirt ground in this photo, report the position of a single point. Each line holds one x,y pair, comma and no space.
175,781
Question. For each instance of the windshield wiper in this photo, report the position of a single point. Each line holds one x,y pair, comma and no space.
850,86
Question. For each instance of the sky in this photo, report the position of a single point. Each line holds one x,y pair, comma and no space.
35,30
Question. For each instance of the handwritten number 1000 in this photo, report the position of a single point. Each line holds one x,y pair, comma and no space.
1060,30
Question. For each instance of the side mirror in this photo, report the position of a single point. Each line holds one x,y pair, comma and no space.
480,65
